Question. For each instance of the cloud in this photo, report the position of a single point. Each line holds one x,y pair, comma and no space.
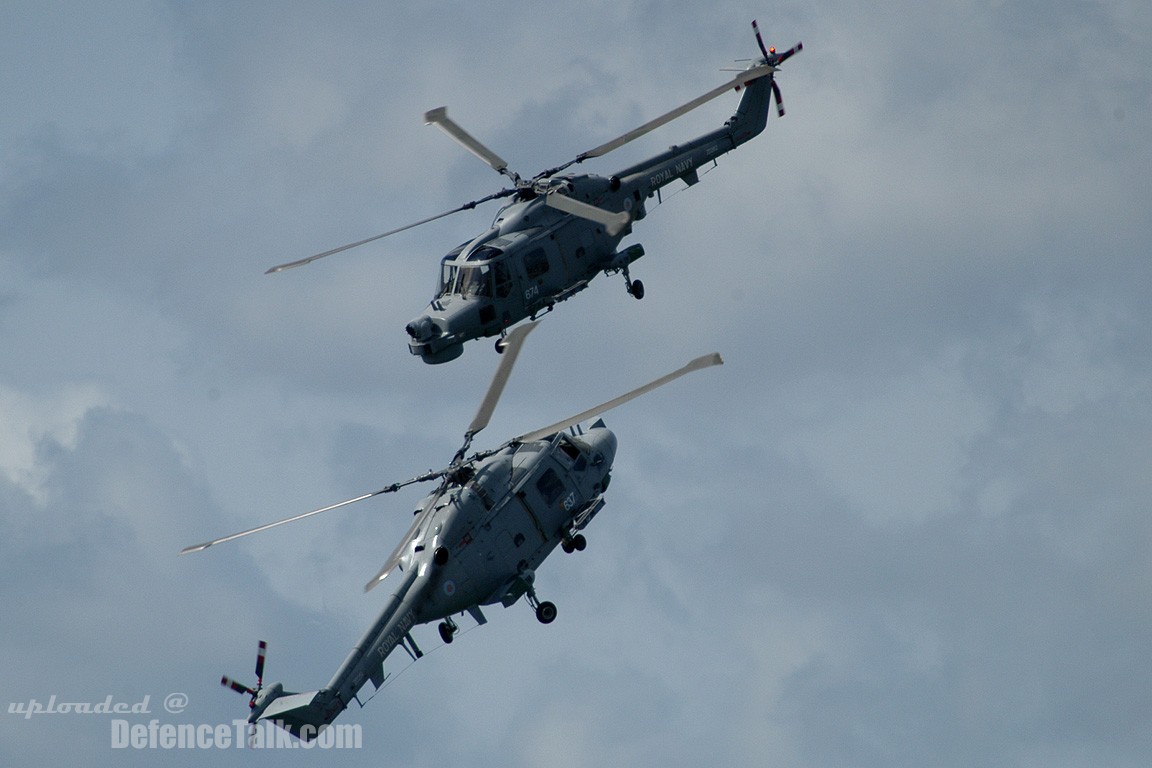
905,522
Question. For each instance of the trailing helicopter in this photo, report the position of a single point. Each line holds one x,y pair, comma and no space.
561,230
477,540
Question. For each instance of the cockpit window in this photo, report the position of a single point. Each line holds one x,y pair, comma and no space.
448,270
474,281
447,279
579,462
468,280
484,253
570,450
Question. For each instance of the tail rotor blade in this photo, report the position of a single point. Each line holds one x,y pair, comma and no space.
261,652
760,40
789,53
228,682
779,102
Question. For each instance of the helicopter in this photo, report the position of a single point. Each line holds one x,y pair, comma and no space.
561,230
476,540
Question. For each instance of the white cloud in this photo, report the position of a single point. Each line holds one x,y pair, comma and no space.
32,420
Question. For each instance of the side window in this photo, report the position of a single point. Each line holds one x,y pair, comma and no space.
501,278
550,486
536,263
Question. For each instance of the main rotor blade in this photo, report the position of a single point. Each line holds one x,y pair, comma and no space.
431,475
613,222
259,528
365,241
496,388
705,361
439,118
740,79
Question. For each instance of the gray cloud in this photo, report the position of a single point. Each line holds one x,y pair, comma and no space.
904,524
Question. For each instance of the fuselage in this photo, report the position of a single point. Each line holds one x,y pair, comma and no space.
534,255
508,517
475,541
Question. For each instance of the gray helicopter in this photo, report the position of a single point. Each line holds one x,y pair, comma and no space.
477,540
561,230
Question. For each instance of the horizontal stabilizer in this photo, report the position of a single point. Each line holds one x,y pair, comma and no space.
303,715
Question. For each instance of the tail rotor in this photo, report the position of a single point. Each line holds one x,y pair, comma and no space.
253,693
774,59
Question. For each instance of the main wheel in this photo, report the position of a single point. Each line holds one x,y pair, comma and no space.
546,612
637,289
579,542
446,633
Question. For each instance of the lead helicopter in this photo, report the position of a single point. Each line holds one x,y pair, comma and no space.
562,229
477,540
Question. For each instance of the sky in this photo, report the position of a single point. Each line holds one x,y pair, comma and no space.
907,523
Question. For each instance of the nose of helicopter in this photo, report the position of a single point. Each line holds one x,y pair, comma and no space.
602,444
450,317
421,329
439,334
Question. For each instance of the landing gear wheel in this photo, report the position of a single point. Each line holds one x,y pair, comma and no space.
501,345
447,632
579,542
636,288
546,612
568,546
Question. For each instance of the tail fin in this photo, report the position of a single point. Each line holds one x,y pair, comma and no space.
752,115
